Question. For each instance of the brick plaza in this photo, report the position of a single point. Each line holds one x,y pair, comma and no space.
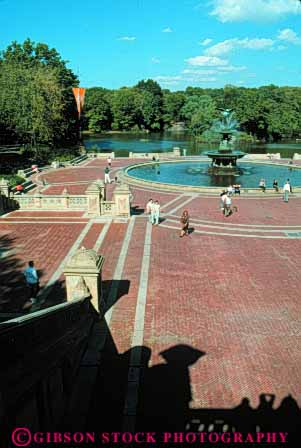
231,289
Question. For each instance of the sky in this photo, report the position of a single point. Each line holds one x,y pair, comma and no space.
178,43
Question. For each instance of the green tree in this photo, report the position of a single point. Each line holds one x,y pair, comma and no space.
98,110
36,100
126,108
151,104
199,113
172,104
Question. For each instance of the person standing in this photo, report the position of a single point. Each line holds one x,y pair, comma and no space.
184,223
286,191
148,209
230,190
32,281
109,161
155,211
262,185
107,175
275,185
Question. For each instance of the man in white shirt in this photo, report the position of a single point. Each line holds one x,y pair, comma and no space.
155,213
286,191
228,202
148,209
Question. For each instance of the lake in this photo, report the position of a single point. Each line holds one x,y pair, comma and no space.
123,143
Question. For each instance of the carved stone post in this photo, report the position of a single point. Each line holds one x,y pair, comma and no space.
122,198
83,277
4,187
95,193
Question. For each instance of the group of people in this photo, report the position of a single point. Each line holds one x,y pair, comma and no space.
153,210
233,189
226,203
287,188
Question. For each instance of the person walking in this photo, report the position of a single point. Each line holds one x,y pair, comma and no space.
228,202
286,191
107,175
184,224
222,200
32,281
148,209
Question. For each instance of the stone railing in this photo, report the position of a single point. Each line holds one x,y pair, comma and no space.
7,204
41,357
52,202
176,152
100,155
267,156
108,208
92,201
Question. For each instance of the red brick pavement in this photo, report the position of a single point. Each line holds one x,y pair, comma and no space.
236,301
250,211
46,244
122,322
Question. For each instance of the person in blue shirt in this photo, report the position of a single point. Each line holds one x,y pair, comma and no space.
32,280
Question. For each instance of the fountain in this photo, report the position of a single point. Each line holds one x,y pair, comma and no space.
224,159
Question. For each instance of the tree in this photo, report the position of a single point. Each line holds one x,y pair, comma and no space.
199,113
36,100
98,112
126,108
172,104
151,104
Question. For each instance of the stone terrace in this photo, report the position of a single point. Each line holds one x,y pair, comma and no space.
230,289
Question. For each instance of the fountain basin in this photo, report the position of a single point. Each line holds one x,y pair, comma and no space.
194,176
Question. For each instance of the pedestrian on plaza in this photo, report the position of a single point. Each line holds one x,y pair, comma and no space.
286,190
155,213
109,161
32,281
291,189
236,189
222,200
148,209
230,190
275,185
184,224
107,175
227,207
262,185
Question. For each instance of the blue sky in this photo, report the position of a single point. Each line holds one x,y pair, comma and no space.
179,43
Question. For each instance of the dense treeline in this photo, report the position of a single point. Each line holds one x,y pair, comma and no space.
267,113
37,104
36,99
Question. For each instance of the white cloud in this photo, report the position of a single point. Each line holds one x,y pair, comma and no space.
233,68
205,42
207,61
189,71
168,80
288,35
155,60
255,10
127,38
167,30
233,44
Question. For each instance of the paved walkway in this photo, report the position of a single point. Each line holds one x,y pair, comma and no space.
229,291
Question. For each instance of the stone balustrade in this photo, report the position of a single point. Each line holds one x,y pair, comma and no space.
92,201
